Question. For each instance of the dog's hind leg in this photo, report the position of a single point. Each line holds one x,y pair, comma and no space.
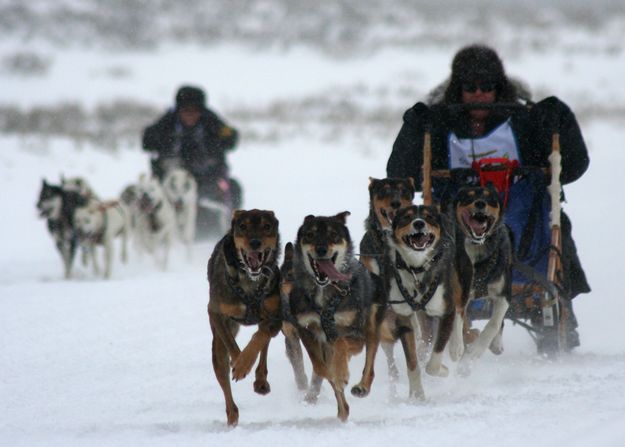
372,341
222,372
261,386
294,354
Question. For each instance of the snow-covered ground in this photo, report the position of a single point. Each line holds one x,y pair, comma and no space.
127,361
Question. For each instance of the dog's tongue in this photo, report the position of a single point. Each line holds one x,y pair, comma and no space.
327,267
479,228
254,260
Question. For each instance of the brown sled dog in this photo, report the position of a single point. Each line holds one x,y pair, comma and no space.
331,303
484,256
386,197
244,282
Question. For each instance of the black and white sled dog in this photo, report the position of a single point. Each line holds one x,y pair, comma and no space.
181,190
98,224
156,219
423,278
484,256
57,206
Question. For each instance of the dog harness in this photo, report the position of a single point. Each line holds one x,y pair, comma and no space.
327,312
252,301
425,291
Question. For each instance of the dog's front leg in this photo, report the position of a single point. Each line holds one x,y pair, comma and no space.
492,328
222,330
435,365
261,386
108,255
243,363
222,370
339,376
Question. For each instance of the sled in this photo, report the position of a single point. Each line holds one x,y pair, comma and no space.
216,201
538,298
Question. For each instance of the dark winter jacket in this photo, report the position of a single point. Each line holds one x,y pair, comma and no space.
201,149
532,128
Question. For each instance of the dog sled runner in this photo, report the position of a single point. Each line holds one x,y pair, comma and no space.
538,302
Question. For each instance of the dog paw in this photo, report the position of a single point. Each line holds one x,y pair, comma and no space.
471,335
241,367
311,398
456,349
360,391
416,396
261,387
496,346
464,367
437,371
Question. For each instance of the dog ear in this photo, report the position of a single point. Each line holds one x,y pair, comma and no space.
342,217
309,218
272,215
288,251
236,214
411,182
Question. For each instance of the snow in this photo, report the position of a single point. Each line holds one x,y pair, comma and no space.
127,361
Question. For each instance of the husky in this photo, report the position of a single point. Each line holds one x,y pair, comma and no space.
244,281
484,254
98,224
57,207
181,190
386,197
332,304
156,219
424,278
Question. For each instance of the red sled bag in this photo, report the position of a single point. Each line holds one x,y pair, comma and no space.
496,171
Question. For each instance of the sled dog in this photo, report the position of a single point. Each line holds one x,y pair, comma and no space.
244,279
99,223
181,190
156,219
484,253
386,197
332,304
423,278
57,207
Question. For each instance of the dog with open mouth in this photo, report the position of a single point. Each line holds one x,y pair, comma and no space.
386,197
332,305
484,255
244,281
424,279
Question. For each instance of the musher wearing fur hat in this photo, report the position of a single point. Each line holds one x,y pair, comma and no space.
458,137
193,137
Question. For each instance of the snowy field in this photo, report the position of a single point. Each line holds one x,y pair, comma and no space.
127,361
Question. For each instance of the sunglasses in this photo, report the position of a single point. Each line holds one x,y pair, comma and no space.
484,86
